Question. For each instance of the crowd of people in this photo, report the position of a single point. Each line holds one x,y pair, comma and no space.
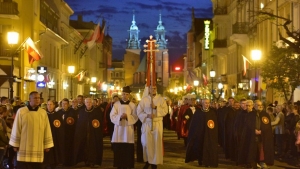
250,133
51,134
47,135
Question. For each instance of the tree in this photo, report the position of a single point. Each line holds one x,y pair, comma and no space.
281,70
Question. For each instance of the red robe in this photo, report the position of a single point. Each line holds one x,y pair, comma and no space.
180,118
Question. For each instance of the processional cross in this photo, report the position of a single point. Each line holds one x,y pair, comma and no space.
151,76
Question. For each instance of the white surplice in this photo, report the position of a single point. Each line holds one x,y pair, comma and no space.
31,133
152,141
123,129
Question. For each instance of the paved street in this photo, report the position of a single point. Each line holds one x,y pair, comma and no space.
174,157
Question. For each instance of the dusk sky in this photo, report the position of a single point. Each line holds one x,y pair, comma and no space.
176,18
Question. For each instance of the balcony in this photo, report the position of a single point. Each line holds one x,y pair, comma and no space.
240,33
9,9
220,11
240,28
220,43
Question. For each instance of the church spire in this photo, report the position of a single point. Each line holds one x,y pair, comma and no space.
193,21
160,34
133,42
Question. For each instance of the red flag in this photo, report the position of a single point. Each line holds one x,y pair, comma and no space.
102,30
80,75
246,65
95,36
204,80
33,53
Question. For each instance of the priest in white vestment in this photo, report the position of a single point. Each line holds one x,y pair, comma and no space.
31,134
123,115
152,140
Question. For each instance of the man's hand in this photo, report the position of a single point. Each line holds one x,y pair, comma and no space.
151,116
47,149
124,116
16,149
186,117
257,132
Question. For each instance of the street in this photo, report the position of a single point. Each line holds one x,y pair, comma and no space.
174,157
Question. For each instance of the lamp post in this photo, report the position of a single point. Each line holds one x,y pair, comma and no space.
220,87
12,39
256,56
94,80
71,70
196,84
212,74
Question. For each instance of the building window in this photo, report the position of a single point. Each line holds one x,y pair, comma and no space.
159,63
132,63
117,74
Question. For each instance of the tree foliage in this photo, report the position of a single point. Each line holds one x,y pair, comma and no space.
281,70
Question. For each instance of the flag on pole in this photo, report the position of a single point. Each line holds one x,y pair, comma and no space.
33,53
102,30
80,75
246,65
95,36
204,79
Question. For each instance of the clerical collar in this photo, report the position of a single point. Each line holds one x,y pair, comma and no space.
50,112
75,108
33,109
65,110
90,110
124,102
205,110
79,105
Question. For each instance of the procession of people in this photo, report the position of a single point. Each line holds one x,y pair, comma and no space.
250,135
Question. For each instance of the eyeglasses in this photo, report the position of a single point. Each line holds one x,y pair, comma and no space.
248,105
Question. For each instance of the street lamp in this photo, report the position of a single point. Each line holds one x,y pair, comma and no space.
220,87
93,79
212,74
71,70
256,56
12,39
196,84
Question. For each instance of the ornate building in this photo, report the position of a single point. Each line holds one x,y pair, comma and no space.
132,55
162,56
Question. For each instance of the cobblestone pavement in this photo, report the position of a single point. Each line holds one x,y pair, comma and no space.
174,157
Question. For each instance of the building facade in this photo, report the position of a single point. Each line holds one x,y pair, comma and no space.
238,30
59,44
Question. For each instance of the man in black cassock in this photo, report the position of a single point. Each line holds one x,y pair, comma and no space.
229,119
256,138
238,128
56,154
88,143
221,111
203,137
69,116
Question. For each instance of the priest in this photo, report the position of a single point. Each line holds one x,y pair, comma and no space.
88,143
123,115
203,137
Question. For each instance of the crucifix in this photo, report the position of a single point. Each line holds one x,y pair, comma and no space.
151,76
